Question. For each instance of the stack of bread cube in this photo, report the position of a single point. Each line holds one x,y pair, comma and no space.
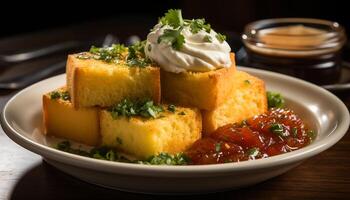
204,101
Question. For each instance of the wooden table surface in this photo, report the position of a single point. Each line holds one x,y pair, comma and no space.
24,175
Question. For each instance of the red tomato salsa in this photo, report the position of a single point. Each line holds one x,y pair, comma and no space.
275,132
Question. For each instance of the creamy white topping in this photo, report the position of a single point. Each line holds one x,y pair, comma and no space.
197,53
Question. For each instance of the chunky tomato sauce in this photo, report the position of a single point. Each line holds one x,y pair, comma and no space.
275,132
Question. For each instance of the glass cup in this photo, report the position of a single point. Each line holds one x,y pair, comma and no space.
306,48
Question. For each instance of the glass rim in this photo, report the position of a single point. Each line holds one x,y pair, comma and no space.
333,36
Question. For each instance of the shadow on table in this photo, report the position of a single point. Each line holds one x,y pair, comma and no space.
45,182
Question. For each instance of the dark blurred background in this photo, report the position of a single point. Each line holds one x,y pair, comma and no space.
224,15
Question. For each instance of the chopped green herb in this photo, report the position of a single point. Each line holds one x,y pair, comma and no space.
182,113
166,159
221,37
106,153
253,152
247,82
65,96
60,95
149,48
173,37
55,95
294,132
119,141
218,147
110,155
275,100
172,18
207,38
171,108
136,55
138,62
108,54
277,129
66,147
197,25
143,108
311,134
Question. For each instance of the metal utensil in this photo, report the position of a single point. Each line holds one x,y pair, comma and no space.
43,72
24,56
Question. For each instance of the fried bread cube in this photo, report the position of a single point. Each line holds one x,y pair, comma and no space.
248,98
173,132
92,82
204,90
61,119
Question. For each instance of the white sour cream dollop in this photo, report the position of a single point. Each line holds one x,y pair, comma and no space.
196,54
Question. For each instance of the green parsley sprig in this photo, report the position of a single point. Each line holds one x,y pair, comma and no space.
173,37
172,18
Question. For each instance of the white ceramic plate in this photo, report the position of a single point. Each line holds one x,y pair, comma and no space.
324,112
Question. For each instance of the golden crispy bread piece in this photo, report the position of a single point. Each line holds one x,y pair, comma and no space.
248,98
93,82
204,90
171,133
61,119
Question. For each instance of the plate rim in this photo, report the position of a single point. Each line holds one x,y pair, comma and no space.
181,171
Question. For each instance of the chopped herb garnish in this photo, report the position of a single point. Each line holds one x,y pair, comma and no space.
55,95
110,155
311,134
166,159
171,108
66,147
247,82
173,37
143,108
182,113
220,37
172,18
119,141
294,131
65,96
278,129
109,54
253,152
218,147
198,24
149,48
207,38
275,100
60,95
106,153
138,62
136,55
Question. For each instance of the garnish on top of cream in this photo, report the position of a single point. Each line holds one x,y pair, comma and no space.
179,45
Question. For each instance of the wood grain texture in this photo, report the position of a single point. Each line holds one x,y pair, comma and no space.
23,175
